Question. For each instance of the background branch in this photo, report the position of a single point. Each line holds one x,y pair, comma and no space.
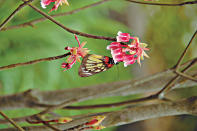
166,88
11,121
33,22
130,115
163,4
170,84
33,98
14,13
71,30
185,51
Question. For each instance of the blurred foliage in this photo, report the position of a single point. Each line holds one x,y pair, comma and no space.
168,30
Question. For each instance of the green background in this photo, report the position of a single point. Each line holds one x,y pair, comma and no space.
166,30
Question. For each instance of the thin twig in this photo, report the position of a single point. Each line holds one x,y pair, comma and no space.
186,76
34,61
177,66
11,121
163,4
71,30
185,51
33,22
117,104
59,106
14,13
168,86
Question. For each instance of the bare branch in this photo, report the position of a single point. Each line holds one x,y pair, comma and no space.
71,30
185,51
140,100
36,99
169,85
130,115
163,4
11,121
34,61
186,76
31,23
14,13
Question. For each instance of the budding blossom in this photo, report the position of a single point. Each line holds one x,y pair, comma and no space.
95,120
63,120
95,123
59,120
44,3
127,53
76,54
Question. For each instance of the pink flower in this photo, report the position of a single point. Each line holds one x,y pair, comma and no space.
127,53
129,59
76,53
123,37
138,49
116,51
44,3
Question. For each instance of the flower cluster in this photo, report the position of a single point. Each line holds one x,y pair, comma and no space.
127,53
76,53
44,3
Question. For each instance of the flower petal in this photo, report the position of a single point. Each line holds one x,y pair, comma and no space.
75,54
118,58
116,51
114,45
44,3
128,60
123,37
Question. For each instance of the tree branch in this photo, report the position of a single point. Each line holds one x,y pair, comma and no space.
185,51
33,22
71,30
186,76
129,115
163,4
11,121
34,61
35,99
14,13
169,85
